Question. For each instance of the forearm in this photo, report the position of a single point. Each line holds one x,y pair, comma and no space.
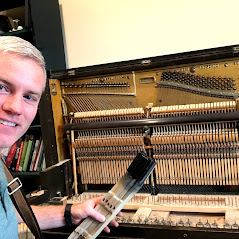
49,216
52,216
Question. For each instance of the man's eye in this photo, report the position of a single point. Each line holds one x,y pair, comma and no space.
28,97
3,88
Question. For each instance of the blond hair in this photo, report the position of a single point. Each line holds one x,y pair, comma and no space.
22,48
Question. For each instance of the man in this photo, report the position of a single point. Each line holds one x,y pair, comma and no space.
22,81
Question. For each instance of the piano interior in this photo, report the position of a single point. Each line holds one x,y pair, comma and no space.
181,110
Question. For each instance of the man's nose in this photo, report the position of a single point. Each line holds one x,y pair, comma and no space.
13,104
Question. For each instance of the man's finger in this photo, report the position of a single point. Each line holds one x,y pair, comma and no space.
107,230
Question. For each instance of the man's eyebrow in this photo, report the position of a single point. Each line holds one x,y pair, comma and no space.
5,81
34,93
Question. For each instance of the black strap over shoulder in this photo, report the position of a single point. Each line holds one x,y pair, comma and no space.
21,204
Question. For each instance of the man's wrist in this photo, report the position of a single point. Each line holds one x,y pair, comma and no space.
67,215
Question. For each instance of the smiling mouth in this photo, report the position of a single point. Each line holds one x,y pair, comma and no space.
7,123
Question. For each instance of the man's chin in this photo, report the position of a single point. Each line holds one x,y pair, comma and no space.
6,143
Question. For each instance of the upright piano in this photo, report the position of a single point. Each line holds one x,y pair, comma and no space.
180,109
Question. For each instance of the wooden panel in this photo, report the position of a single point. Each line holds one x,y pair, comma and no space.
56,99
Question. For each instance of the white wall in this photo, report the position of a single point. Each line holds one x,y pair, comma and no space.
103,31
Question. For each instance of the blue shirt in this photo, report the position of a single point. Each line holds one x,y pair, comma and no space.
8,216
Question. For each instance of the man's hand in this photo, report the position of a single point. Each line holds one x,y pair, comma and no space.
82,210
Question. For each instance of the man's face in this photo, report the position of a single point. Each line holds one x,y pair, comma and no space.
21,85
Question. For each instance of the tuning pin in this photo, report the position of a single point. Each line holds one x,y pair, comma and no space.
235,225
199,224
188,223
214,225
163,222
227,226
130,220
123,219
207,224
139,220
170,222
156,221
146,220
180,223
